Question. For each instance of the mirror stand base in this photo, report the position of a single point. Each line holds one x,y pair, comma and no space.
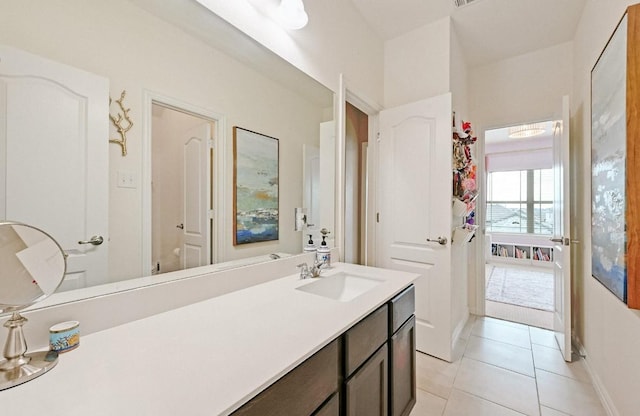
39,363
18,367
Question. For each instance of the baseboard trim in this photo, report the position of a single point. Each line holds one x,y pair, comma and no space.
458,329
601,390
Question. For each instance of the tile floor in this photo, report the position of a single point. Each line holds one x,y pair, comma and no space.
515,313
504,369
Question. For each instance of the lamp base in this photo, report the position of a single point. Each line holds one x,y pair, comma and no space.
39,363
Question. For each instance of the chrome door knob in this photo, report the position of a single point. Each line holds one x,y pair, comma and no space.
562,240
96,240
440,240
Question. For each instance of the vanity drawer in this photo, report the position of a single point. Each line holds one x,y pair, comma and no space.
365,338
301,391
401,307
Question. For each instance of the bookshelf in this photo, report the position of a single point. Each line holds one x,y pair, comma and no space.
523,254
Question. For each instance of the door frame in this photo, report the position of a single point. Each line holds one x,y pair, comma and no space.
480,306
217,192
371,108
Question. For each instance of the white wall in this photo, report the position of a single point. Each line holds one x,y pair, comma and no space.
525,88
137,52
417,64
608,330
335,41
459,84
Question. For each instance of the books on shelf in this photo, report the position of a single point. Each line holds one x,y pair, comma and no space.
500,251
541,254
522,252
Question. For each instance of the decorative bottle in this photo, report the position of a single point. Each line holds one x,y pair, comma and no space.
324,253
310,247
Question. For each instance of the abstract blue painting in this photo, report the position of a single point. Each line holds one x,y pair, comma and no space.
255,187
608,162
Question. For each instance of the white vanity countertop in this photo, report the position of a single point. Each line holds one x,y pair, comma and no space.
207,358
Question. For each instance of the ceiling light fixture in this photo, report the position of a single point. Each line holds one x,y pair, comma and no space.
526,130
292,14
462,3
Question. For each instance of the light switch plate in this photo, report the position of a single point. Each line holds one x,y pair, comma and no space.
127,180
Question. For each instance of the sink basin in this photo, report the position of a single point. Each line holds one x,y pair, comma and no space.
340,286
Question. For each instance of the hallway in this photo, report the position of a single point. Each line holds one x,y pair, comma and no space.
504,369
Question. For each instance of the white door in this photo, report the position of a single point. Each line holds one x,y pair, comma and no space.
318,188
311,193
54,132
195,242
562,233
415,206
327,179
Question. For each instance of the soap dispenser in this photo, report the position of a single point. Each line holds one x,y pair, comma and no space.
324,253
310,247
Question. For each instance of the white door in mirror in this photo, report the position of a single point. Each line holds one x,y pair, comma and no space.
54,158
195,249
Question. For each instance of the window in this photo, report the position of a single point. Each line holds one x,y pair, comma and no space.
520,202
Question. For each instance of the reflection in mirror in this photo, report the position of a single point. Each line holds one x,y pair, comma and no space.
180,55
33,265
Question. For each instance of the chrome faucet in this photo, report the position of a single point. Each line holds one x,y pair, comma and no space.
317,268
304,271
307,272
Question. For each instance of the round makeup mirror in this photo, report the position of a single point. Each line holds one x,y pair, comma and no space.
32,266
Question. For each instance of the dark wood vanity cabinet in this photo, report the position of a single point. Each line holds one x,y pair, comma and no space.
402,369
402,353
302,390
367,391
367,371
383,346
365,338
331,407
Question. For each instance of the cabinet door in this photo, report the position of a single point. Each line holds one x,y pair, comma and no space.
367,390
402,376
330,408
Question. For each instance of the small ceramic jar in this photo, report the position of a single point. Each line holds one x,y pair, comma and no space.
64,336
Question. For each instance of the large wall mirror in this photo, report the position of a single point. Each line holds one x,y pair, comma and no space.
62,60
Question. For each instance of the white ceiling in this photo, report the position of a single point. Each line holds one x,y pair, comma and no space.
488,30
501,135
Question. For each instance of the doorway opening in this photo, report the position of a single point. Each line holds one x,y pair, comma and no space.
519,223
181,189
356,184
